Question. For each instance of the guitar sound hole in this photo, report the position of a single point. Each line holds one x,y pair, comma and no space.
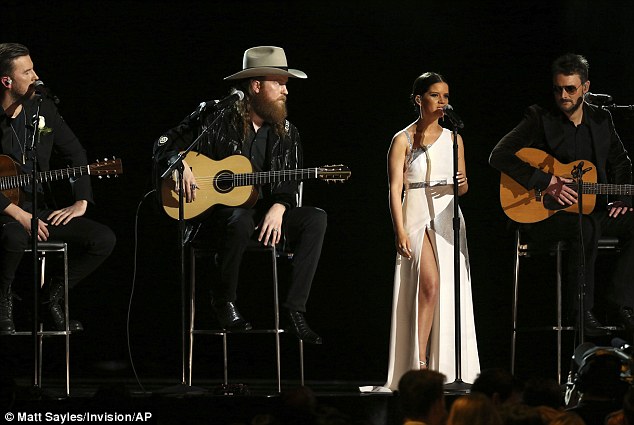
223,182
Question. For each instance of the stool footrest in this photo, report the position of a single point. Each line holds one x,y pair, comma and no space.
229,332
545,328
43,333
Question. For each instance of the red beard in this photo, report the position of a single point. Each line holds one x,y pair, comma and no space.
273,112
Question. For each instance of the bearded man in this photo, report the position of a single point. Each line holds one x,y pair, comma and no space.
570,131
255,127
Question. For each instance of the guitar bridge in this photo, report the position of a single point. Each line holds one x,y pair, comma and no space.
538,195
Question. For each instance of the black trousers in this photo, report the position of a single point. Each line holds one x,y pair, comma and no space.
565,226
89,244
231,229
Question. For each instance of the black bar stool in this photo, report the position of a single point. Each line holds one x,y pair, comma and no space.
199,250
524,250
43,250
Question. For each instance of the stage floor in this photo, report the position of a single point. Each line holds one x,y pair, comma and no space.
161,402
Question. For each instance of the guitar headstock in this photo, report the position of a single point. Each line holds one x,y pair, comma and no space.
334,173
106,168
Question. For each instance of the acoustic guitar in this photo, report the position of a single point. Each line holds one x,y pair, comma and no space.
12,178
531,206
231,182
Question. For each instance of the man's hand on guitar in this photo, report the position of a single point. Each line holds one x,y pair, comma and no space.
618,208
65,215
559,190
189,183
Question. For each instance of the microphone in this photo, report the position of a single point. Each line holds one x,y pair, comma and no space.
598,99
217,104
42,89
622,345
453,117
582,351
229,100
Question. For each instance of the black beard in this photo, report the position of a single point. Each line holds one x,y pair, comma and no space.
574,107
271,112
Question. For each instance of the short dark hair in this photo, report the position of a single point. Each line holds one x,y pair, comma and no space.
495,380
423,82
418,391
8,53
570,64
540,391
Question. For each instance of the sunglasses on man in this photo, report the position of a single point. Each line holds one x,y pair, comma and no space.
569,89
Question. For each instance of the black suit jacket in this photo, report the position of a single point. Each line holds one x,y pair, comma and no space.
61,141
542,129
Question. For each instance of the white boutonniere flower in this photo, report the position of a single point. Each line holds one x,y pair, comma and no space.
41,126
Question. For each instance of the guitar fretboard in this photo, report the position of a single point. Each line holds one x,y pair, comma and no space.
250,179
21,180
604,188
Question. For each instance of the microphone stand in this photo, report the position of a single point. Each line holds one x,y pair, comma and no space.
177,165
458,386
32,148
577,174
614,107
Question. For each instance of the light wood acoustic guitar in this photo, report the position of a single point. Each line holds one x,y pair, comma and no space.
531,206
12,178
231,182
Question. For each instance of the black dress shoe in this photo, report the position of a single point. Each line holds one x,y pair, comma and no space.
627,318
230,318
297,325
592,326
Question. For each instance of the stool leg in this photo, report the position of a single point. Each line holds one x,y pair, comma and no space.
67,317
40,327
226,360
516,265
301,362
192,311
38,374
276,306
559,309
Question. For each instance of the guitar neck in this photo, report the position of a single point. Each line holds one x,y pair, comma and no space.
605,189
21,180
251,179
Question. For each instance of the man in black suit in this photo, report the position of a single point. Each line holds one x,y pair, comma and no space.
575,130
89,242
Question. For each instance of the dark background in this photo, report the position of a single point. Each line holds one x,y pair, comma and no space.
127,71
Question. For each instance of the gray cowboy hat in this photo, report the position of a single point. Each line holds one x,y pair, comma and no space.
263,61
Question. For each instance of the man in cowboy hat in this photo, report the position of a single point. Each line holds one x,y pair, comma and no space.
255,127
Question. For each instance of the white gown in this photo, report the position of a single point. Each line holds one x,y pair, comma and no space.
430,208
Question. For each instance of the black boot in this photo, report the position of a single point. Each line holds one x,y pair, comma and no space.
591,325
6,314
297,325
229,317
56,308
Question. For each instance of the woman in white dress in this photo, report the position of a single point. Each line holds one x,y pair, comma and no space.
420,170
